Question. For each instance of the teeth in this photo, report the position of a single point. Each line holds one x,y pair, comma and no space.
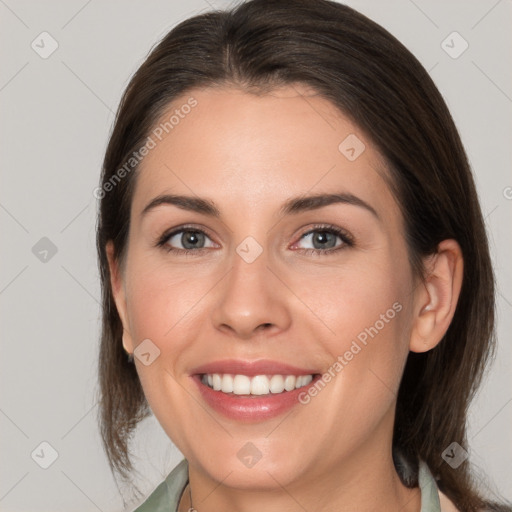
257,385
276,384
217,382
241,385
227,384
289,382
260,385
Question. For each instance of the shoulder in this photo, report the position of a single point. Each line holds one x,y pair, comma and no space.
432,498
166,496
448,506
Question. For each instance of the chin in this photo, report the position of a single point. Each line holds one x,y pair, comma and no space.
250,469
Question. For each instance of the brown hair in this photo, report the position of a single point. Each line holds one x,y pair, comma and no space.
372,78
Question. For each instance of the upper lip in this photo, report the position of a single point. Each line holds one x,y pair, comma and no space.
251,368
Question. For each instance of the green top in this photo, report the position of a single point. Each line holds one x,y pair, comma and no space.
166,496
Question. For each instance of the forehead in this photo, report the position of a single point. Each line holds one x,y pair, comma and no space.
217,142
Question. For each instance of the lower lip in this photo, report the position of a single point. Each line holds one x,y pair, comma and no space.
251,408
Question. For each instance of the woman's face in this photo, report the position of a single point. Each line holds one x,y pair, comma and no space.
299,286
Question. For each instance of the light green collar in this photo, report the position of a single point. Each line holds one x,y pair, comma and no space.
166,497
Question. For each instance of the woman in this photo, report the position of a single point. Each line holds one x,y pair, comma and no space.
293,256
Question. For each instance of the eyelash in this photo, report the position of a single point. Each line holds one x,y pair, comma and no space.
345,237
162,241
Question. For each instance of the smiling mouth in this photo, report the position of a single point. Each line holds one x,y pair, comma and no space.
257,385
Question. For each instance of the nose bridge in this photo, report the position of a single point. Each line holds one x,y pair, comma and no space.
251,296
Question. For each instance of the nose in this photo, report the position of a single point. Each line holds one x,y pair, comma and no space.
251,299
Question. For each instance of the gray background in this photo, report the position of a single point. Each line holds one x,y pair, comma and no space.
56,114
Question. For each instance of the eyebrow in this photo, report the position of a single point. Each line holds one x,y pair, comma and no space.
291,206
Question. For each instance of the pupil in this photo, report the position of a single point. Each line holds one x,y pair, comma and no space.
322,237
190,239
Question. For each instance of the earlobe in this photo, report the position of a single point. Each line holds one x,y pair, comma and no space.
119,295
437,297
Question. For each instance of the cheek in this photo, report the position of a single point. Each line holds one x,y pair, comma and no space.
164,303
367,312
363,297
161,300
161,307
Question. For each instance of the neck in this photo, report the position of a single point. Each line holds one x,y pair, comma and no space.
364,480
394,497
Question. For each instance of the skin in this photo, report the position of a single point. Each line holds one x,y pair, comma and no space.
249,154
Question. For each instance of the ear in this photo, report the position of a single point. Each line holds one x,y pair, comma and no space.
119,293
436,298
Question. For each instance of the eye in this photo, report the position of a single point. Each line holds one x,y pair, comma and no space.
186,240
325,239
